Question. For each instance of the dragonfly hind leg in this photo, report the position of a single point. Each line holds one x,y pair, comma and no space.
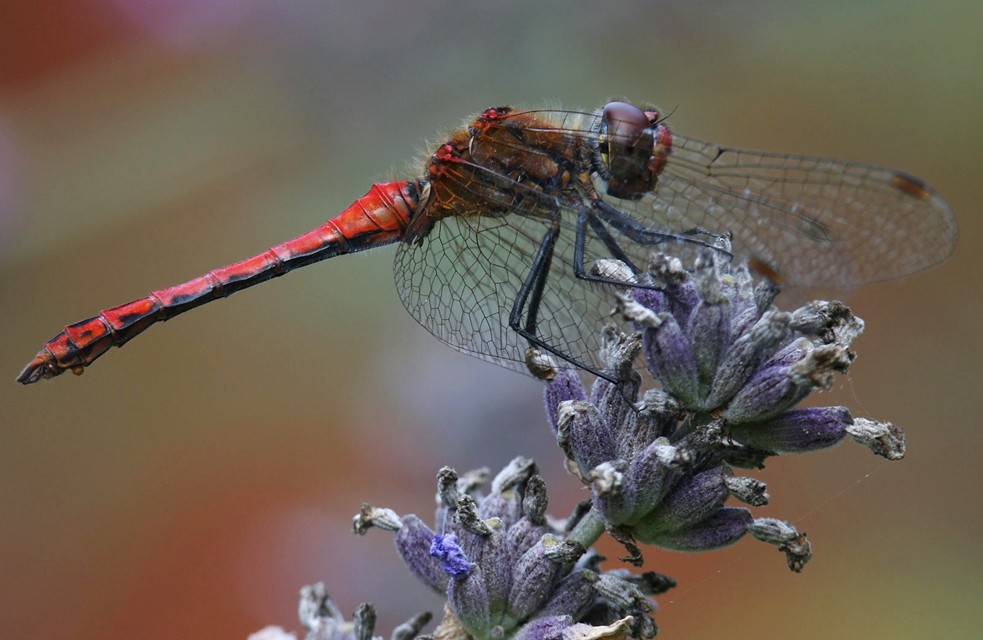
528,301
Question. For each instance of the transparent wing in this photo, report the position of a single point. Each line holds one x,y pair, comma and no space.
461,280
818,222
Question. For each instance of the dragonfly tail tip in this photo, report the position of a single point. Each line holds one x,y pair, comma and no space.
37,369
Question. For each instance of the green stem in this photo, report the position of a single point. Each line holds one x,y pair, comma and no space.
589,529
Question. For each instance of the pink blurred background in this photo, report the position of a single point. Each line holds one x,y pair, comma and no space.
188,485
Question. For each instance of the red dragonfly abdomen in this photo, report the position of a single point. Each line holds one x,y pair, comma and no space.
377,218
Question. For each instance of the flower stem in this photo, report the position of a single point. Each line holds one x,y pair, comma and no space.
588,529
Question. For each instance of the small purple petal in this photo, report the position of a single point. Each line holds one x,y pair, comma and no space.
452,560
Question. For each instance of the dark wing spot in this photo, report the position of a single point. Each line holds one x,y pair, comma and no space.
765,270
911,185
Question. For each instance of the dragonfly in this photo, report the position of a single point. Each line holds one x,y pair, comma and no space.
497,238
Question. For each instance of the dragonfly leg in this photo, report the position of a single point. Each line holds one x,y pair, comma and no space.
530,297
603,214
643,235
531,292
583,219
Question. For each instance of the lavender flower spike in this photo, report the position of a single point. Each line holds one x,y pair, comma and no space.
731,369
506,570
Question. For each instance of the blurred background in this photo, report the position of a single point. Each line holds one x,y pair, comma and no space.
189,484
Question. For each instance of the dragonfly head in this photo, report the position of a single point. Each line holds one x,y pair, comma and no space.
632,147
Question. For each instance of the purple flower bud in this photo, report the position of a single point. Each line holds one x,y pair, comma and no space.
669,358
413,542
607,482
624,495
648,478
777,388
524,535
680,291
615,402
709,331
493,555
769,392
533,578
796,431
588,439
565,386
723,527
690,501
468,599
745,355
789,354
573,595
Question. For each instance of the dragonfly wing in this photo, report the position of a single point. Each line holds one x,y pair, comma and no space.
461,280
819,222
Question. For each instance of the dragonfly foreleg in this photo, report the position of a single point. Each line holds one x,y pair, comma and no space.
583,219
641,234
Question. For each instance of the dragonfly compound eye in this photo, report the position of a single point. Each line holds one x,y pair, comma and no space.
625,147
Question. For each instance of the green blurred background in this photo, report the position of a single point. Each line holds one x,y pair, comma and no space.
189,484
